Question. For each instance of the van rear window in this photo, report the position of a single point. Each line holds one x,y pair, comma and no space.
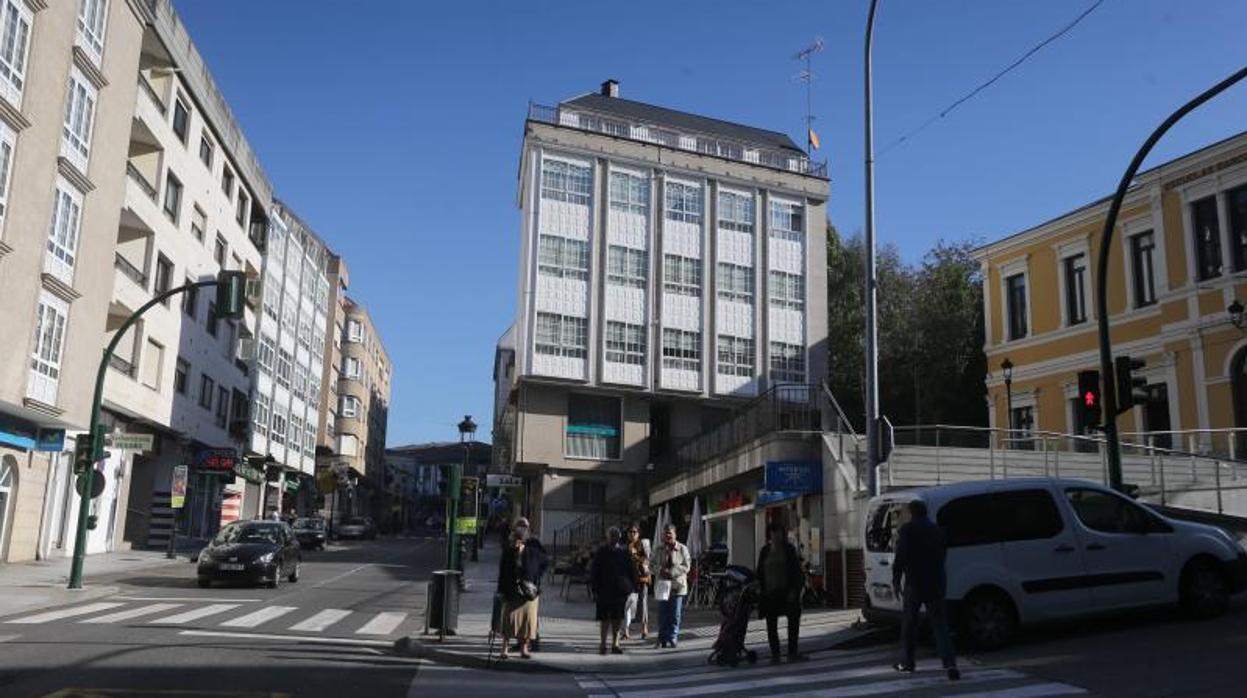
1001,517
885,521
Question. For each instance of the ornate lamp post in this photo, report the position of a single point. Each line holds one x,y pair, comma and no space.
1006,367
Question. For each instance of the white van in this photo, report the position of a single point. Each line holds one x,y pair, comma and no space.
1032,550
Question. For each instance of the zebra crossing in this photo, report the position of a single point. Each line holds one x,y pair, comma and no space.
837,674
232,616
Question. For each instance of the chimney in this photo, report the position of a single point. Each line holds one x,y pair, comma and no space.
610,88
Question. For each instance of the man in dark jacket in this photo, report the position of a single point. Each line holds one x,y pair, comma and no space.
781,581
919,561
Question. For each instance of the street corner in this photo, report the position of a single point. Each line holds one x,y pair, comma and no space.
469,656
15,600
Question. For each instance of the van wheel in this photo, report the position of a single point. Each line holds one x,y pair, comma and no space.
988,620
1203,591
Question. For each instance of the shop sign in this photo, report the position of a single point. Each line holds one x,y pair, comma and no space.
465,525
469,503
177,493
248,473
292,485
500,480
218,459
50,440
790,476
326,481
769,497
19,434
130,442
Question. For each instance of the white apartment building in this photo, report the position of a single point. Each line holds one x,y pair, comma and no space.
289,358
196,204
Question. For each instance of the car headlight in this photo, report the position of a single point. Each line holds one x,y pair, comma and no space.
1232,540
265,558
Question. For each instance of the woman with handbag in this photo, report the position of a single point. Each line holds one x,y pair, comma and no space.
614,580
638,602
519,575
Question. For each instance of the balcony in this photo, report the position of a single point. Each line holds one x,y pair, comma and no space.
140,180
126,267
119,364
151,92
703,143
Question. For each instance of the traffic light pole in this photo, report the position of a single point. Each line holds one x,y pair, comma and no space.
1112,444
97,443
452,516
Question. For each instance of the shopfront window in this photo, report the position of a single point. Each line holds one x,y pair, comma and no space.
593,427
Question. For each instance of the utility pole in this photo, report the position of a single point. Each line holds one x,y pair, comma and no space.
872,350
1109,399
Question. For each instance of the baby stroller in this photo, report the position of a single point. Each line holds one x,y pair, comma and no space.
737,598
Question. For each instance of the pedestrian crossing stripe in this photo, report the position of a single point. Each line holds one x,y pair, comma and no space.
131,613
63,613
322,620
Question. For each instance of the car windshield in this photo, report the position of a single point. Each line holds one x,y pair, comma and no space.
313,524
248,533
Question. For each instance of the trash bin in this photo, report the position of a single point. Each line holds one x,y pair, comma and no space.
444,600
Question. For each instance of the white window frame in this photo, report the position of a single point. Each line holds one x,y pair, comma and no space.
629,192
350,406
51,325
625,343
277,430
354,331
627,266
681,349
8,146
787,220
16,23
64,231
565,336
299,387
786,290
1007,270
263,405
563,179
562,257
1065,252
92,27
737,210
735,282
683,201
81,99
787,363
285,364
351,367
735,356
682,275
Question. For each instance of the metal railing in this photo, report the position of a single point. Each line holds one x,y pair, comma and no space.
128,268
691,141
151,92
1228,443
139,179
589,529
120,364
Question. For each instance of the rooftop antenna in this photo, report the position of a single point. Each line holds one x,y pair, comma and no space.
807,76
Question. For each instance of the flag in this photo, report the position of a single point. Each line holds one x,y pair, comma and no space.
814,140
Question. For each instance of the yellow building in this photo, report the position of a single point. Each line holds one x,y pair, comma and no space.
1177,263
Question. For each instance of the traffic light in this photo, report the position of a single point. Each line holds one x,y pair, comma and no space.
82,455
231,294
1089,400
1131,389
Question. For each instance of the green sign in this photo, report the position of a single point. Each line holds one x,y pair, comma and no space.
292,486
248,473
465,526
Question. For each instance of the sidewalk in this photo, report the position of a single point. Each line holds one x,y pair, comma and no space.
28,586
569,635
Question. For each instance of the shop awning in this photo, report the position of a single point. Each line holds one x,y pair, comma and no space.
727,512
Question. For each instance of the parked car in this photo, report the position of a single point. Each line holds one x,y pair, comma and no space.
251,551
310,533
1034,550
357,527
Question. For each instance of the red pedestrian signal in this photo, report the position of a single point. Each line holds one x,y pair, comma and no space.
1089,408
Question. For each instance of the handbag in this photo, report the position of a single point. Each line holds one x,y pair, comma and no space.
526,590
662,590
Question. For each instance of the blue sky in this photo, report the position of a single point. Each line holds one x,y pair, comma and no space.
394,129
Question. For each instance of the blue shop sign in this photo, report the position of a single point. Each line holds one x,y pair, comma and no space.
51,440
17,433
789,476
769,497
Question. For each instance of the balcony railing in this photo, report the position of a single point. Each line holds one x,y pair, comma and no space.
120,364
151,92
703,143
130,270
139,179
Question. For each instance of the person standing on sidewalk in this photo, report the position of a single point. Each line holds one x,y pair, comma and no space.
919,563
614,580
676,562
781,581
519,574
638,602
533,544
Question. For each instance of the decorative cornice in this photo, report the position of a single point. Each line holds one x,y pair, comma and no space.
60,289
13,116
75,177
39,406
89,68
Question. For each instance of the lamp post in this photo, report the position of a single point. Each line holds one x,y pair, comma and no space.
1006,367
467,430
872,337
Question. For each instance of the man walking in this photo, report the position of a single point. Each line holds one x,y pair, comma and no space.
673,573
919,562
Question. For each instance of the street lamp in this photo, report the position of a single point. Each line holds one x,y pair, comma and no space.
1006,367
467,434
1235,310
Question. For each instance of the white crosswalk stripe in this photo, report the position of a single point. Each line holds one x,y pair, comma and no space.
132,613
63,613
382,624
194,614
322,620
259,617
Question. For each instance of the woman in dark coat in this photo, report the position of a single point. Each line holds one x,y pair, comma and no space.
781,581
519,580
614,579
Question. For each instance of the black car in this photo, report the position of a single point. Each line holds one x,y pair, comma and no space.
310,533
251,551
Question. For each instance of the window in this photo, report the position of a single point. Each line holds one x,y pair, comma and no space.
63,233
588,494
181,373
7,142
560,335
787,290
965,521
309,439
350,367
787,363
1022,423
238,407
626,266
1075,289
1236,204
222,406
173,196
1101,511
735,283
278,430
322,295
199,223
300,380
1207,238
625,344
296,433
289,312
350,406
736,212
14,38
212,320
681,275
261,416
1000,518
354,331
51,316
272,298
206,150
593,426
883,526
788,221
283,367
313,388
305,332
206,386
91,16
227,182
566,181
79,116
1143,264
219,250
629,193
190,300
265,353
681,350
164,277
562,257
243,211
1015,291
735,356
683,202
181,119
